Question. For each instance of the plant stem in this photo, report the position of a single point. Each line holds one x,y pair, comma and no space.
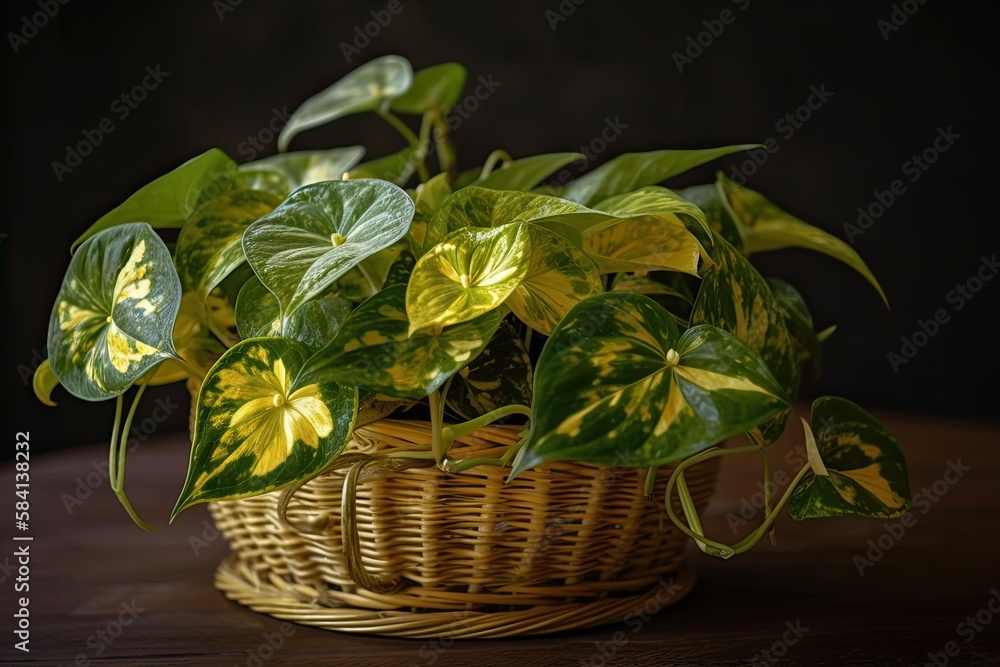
445,148
411,139
459,430
459,465
116,470
491,162
439,446
527,339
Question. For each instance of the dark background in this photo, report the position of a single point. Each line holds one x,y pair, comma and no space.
557,88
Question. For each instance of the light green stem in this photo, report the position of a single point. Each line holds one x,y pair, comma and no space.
411,139
491,162
459,430
458,465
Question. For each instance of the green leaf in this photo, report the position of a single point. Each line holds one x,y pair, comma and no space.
210,245
711,201
558,277
169,200
499,376
397,168
799,321
617,384
320,233
307,167
736,298
114,315
367,88
634,170
315,324
866,471
767,227
482,207
526,173
400,270
256,430
434,88
471,272
643,284
374,349
44,383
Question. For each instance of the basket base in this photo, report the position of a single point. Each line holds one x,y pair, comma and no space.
299,605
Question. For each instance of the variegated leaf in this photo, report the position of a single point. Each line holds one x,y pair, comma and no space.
114,315
767,227
482,207
499,376
559,276
306,167
375,350
367,88
210,245
735,297
711,200
631,171
617,384
527,172
44,383
170,199
397,168
799,322
469,273
314,324
400,270
257,430
320,233
654,200
865,468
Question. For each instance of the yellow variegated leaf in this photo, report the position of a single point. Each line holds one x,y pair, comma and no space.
471,272
257,429
114,315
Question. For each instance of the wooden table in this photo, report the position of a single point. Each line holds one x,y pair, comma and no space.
94,575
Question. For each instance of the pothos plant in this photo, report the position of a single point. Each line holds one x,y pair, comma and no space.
309,293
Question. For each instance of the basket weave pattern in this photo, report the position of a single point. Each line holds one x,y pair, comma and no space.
563,536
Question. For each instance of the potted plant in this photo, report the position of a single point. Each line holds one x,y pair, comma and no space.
569,353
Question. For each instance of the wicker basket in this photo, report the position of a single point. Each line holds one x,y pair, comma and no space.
381,547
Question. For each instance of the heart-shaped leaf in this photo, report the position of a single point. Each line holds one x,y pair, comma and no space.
865,468
256,430
526,173
471,272
767,227
617,384
374,349
114,315
559,276
635,170
434,88
210,245
169,200
711,200
307,167
499,376
314,324
735,297
365,89
320,233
